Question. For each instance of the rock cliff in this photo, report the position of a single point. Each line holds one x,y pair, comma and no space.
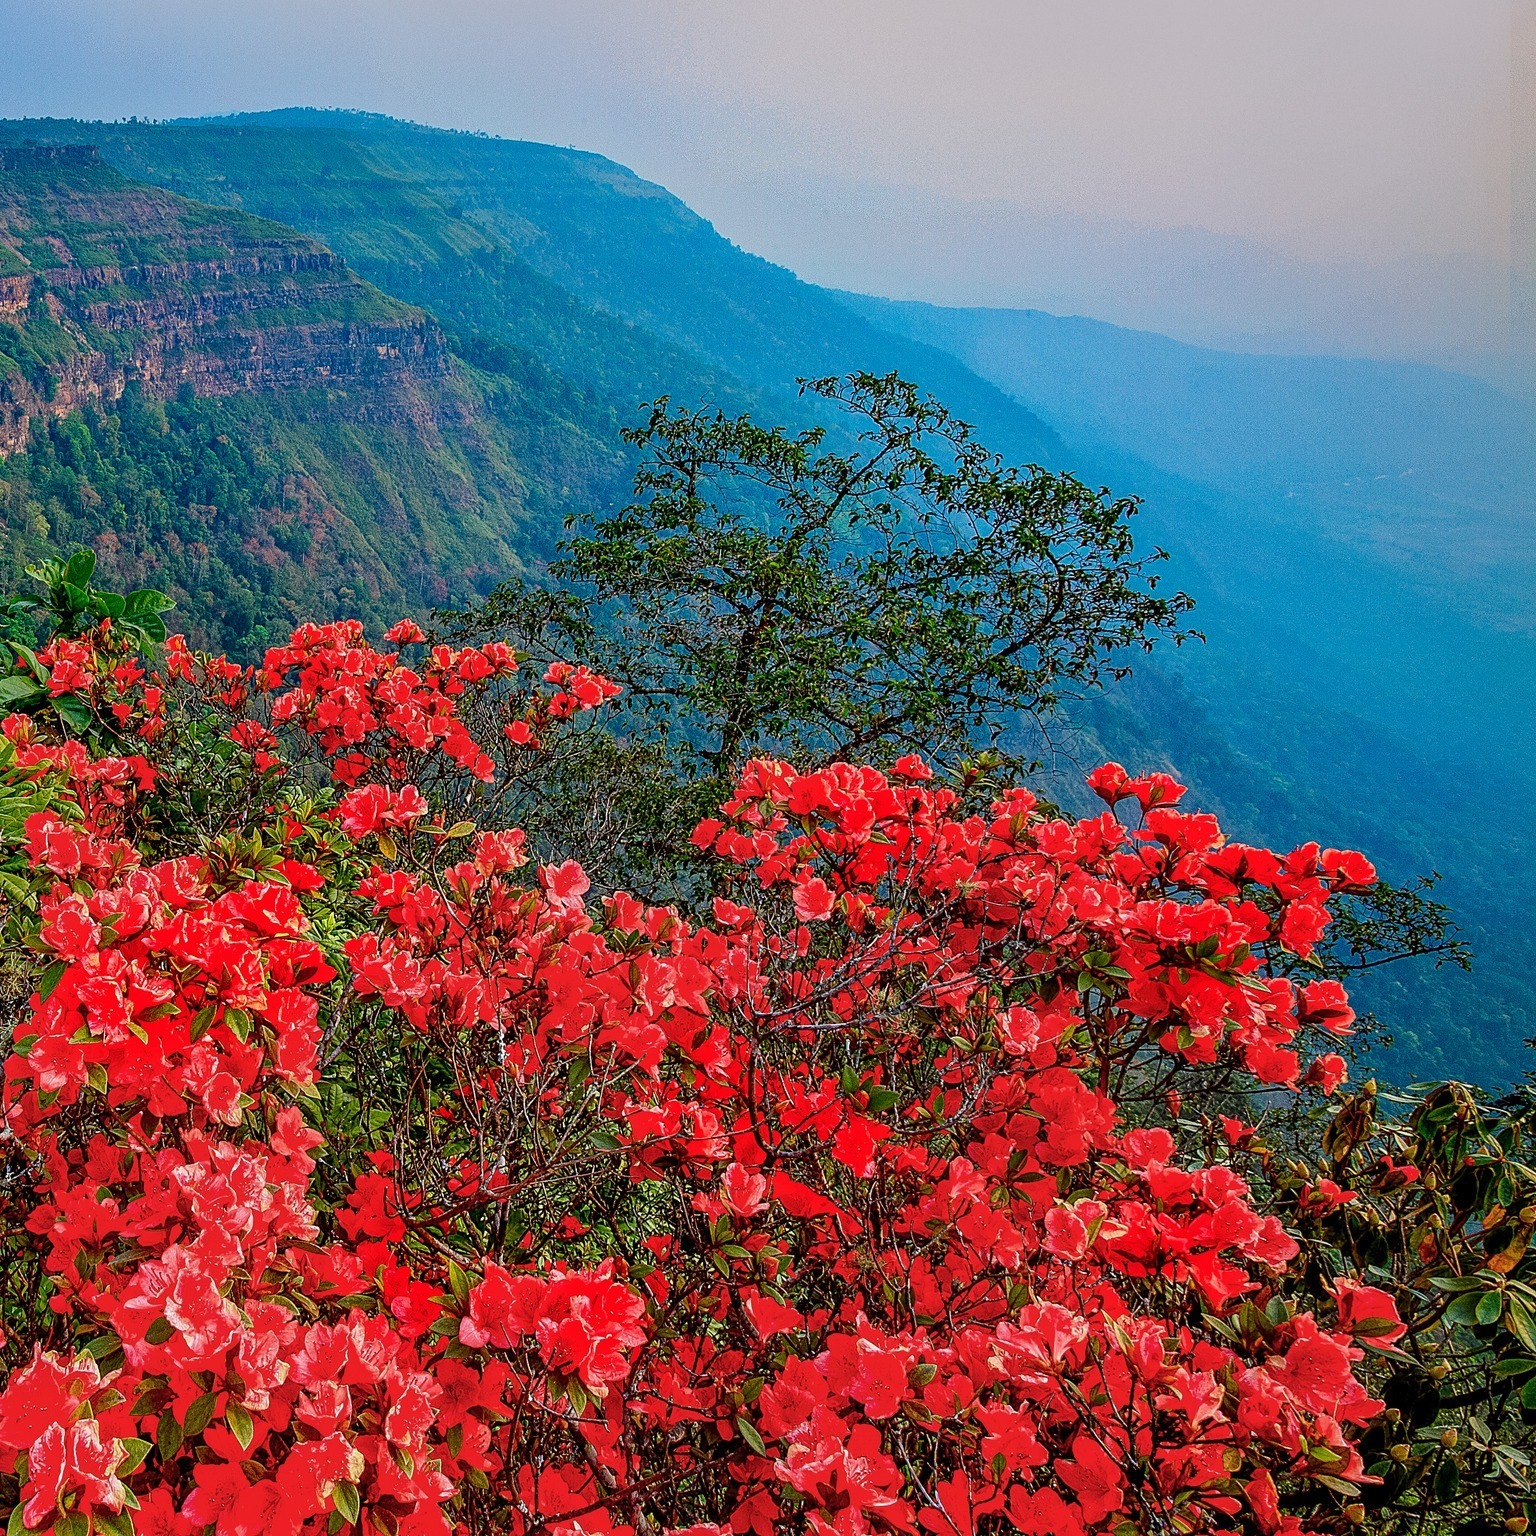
106,282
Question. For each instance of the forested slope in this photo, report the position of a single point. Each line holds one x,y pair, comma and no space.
222,408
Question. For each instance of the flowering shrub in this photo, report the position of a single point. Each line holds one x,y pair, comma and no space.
363,1173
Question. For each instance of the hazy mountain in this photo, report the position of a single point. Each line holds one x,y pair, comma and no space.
224,409
1362,538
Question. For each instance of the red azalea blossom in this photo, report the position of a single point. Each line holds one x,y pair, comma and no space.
821,1207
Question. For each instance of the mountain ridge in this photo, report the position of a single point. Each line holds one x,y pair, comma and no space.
114,283
223,408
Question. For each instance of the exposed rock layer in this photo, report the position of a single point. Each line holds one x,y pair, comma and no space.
105,282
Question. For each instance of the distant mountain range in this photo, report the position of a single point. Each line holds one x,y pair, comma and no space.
332,362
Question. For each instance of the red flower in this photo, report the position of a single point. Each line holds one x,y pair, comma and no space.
47,1390
503,1309
1368,1312
1327,1072
1094,1477
743,1192
73,1460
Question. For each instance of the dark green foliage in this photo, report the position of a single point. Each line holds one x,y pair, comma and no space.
72,606
768,594
67,606
764,594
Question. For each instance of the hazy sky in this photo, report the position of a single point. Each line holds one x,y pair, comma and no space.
1220,165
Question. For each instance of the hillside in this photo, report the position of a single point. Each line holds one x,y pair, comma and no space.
1381,514
1363,678
608,279
221,407
107,282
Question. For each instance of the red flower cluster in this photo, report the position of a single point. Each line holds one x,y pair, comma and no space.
817,1216
359,703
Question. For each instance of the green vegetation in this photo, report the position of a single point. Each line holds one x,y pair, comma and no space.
252,512
345,462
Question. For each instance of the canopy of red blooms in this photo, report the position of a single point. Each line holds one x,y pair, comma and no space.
882,1255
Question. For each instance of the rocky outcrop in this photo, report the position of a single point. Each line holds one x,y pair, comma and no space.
109,283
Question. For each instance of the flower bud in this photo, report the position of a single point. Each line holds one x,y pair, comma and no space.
1398,1453
1439,1372
1516,1524
1449,1438
1355,1513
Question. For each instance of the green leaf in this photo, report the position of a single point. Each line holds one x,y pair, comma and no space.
16,689
458,1283
107,1344
240,1425
16,1526
1520,1322
348,1504
114,1523
750,1435
134,1452
1463,1311
1336,1483
1447,1481
74,712
168,1435
1504,1369
200,1415
146,601
51,978
80,567
1490,1308
159,1331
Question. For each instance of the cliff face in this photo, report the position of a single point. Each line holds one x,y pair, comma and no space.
104,282
277,439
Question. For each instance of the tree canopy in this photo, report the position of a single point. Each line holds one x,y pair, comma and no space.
770,591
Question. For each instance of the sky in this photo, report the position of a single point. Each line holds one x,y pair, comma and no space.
1326,174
